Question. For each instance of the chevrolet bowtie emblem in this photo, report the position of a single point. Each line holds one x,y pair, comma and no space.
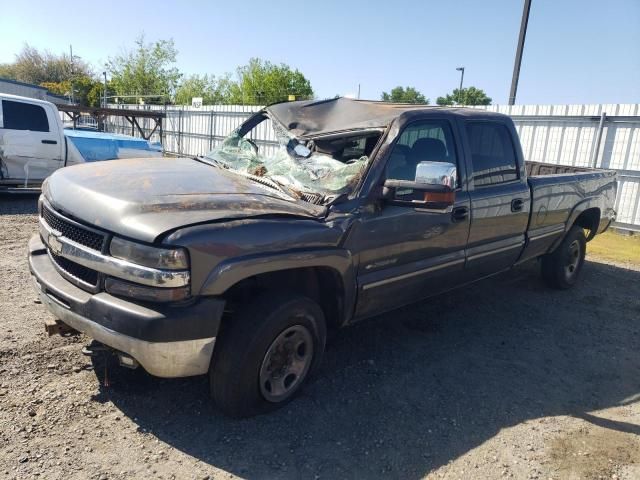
55,245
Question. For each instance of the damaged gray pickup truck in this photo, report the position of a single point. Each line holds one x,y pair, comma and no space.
237,263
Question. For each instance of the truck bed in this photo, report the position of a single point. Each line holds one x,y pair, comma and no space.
540,169
558,194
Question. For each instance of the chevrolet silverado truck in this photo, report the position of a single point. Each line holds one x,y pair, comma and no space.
236,264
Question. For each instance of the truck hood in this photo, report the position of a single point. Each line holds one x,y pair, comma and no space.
144,198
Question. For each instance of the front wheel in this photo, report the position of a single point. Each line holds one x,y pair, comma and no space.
561,268
266,353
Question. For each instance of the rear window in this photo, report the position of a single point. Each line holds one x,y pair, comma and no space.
492,153
24,116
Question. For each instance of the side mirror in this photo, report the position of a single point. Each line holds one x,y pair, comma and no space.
434,186
442,174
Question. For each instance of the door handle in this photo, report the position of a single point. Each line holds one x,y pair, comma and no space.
459,213
517,204
49,142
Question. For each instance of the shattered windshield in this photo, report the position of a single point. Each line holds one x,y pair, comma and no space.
322,167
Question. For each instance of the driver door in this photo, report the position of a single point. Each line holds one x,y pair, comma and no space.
408,253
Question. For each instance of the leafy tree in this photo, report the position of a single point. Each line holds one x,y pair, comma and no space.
95,95
86,90
7,71
468,96
148,69
33,66
211,90
405,95
261,82
54,72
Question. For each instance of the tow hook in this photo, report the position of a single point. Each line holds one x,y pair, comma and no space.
96,348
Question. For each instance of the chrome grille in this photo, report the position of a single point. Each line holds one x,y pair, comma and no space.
76,271
72,231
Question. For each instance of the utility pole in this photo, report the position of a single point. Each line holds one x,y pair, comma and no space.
518,61
104,103
461,70
71,80
358,91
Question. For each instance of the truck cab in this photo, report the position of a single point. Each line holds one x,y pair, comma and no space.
481,232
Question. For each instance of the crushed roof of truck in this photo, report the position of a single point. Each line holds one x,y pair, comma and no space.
321,117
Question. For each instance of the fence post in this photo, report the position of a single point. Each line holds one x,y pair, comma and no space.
162,120
596,149
211,120
180,132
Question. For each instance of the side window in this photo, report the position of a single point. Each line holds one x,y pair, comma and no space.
425,141
492,153
24,116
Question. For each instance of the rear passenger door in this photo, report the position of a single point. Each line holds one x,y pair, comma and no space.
31,147
500,198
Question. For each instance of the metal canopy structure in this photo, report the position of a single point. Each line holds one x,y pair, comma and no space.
74,112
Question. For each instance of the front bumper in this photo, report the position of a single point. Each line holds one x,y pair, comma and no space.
167,340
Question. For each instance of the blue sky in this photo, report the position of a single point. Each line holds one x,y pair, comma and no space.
577,51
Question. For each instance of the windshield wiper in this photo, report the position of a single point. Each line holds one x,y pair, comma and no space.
210,161
309,196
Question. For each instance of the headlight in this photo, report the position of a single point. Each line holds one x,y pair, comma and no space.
141,292
166,258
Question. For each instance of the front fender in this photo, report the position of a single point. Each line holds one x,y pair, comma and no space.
231,271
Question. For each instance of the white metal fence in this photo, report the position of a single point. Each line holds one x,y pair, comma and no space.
603,136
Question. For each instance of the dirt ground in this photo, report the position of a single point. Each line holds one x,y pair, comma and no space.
506,379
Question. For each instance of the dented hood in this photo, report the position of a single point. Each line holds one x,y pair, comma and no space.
144,198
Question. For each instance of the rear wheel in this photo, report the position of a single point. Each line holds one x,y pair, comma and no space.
266,353
561,268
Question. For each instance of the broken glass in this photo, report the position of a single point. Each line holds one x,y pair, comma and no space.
318,172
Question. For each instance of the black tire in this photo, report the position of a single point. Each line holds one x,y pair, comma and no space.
240,359
561,268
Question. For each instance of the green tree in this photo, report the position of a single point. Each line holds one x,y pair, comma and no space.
405,95
96,94
466,96
84,90
34,66
148,69
213,91
261,82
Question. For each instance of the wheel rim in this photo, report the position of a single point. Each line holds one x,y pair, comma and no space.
286,363
573,259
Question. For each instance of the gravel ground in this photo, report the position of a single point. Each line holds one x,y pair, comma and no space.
506,379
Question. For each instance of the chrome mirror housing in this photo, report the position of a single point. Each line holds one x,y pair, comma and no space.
442,174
